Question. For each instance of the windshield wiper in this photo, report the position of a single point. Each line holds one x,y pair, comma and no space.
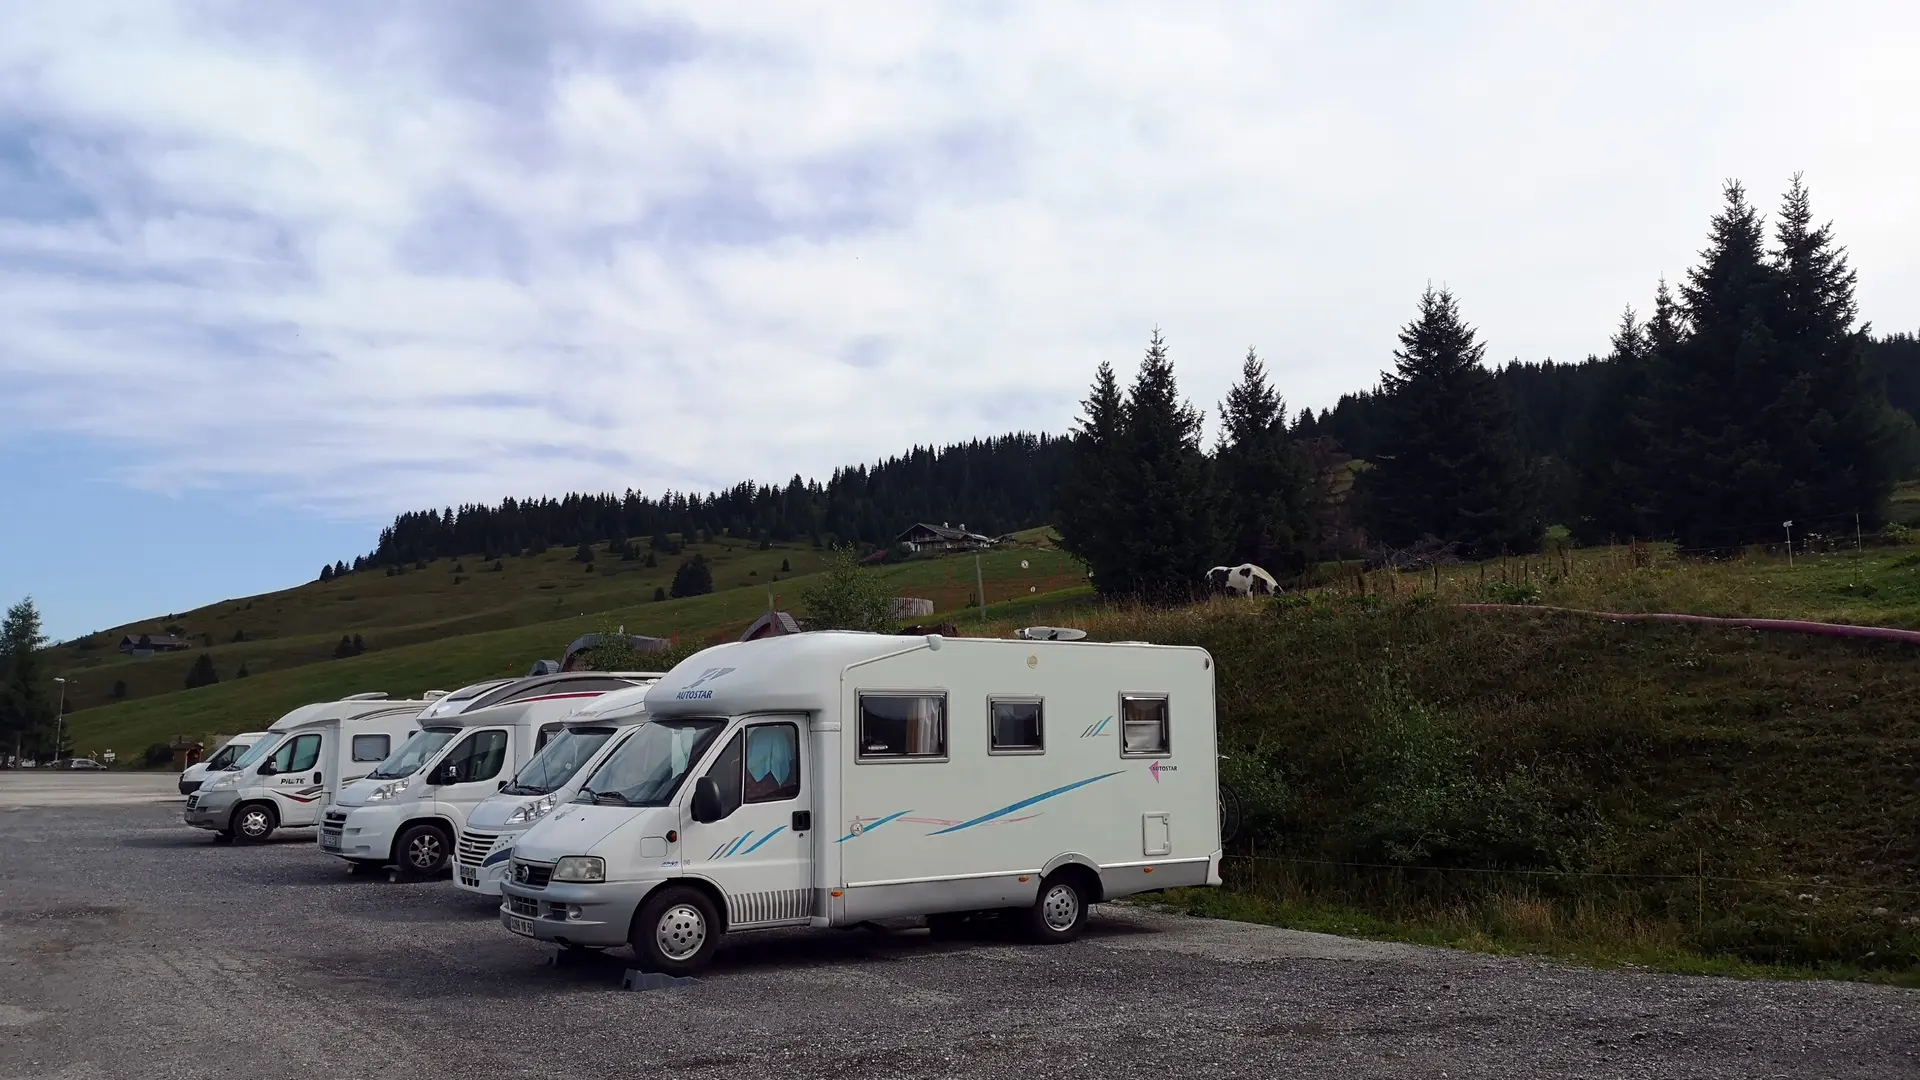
613,797
521,789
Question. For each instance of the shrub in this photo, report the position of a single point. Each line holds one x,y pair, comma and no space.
1512,592
847,598
158,755
659,594
1894,533
693,578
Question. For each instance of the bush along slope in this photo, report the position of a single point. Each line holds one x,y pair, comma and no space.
1565,784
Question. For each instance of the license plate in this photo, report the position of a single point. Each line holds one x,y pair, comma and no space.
329,843
519,925
469,877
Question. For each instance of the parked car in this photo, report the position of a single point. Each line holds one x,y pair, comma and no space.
80,763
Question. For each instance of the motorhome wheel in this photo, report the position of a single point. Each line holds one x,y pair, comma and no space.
675,932
423,850
1060,911
254,822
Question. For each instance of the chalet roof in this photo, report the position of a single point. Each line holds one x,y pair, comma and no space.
943,532
158,641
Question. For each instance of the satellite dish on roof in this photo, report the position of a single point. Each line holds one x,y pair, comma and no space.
1049,633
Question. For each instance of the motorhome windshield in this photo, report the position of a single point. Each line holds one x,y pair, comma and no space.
556,762
414,753
224,760
649,766
257,751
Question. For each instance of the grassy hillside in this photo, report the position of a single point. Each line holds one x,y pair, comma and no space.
1695,798
532,608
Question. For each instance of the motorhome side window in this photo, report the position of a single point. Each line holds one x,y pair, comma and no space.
480,757
371,747
547,732
903,727
298,755
1013,726
1144,726
773,763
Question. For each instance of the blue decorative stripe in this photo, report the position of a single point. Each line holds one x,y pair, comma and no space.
864,829
1021,805
737,843
721,848
499,856
762,840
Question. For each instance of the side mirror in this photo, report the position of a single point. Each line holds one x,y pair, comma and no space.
706,800
444,774
266,768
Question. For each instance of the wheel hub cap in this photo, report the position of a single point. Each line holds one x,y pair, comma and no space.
426,851
253,823
1061,908
681,932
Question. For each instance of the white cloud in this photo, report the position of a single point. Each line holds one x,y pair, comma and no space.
369,259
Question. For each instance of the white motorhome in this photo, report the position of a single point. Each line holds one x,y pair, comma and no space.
828,779
284,780
551,779
410,808
221,760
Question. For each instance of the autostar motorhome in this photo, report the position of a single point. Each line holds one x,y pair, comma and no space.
551,779
827,779
223,759
409,810
285,779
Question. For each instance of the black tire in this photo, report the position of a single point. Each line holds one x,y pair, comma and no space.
254,822
1231,815
1059,912
423,850
675,932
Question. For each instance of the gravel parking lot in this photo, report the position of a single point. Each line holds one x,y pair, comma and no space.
133,946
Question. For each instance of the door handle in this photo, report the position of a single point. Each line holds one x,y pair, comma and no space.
802,820
317,778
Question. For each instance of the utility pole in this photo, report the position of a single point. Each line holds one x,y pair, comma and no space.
59,716
1789,527
980,583
1857,550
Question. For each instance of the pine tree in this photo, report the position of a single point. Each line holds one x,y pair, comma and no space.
202,673
326,573
1167,530
1264,484
119,689
1448,464
26,707
583,553
1088,497
242,673
344,649
1609,450
359,646
693,578
1832,427
659,593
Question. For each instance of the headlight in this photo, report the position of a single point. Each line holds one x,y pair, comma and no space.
387,791
580,868
532,811
226,781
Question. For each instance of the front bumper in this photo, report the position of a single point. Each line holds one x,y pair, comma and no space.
212,810
598,916
188,787
369,830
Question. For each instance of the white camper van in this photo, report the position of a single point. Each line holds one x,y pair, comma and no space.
285,779
551,779
223,759
827,779
410,808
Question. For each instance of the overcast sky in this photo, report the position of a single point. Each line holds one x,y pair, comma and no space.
269,274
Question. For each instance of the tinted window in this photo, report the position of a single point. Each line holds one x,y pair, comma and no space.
480,756
903,726
226,755
372,747
773,763
1014,726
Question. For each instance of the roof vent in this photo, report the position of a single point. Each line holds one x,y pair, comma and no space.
371,695
433,695
1049,633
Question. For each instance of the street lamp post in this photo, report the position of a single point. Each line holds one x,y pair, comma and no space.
59,716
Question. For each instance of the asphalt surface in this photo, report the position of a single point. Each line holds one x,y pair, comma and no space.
133,946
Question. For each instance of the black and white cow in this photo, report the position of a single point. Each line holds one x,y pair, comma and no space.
1243,580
